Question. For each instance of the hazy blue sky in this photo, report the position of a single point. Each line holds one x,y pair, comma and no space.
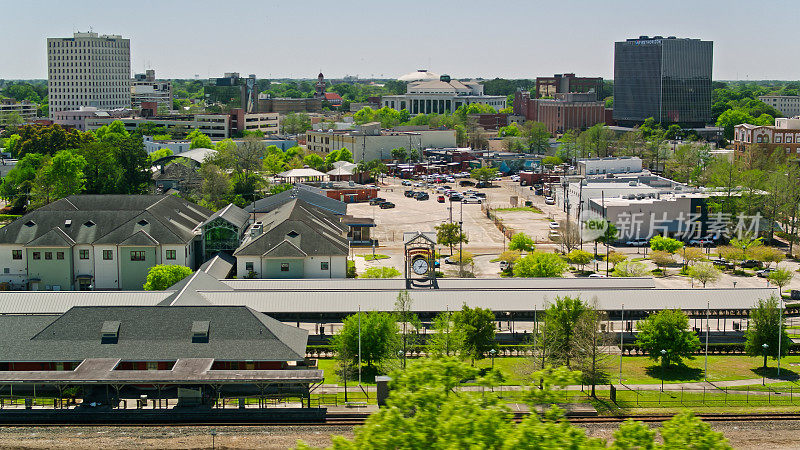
298,38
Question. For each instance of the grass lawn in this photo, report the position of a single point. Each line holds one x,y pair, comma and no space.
643,370
532,209
375,257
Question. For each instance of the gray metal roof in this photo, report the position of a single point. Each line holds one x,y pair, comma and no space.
233,214
309,194
194,370
435,300
219,266
58,302
151,333
186,291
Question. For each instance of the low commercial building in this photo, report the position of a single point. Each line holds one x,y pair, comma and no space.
752,141
215,126
789,105
145,88
440,96
603,166
294,240
369,142
86,242
267,104
574,194
78,118
566,83
683,216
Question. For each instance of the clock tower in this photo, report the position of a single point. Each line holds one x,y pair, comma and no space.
420,260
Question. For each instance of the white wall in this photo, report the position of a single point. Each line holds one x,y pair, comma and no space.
337,267
241,266
106,274
82,266
17,270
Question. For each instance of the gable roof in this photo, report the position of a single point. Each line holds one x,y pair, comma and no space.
107,219
311,230
308,194
231,213
151,333
185,291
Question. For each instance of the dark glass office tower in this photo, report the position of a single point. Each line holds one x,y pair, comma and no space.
668,79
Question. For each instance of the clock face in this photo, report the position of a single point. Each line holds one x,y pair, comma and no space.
420,266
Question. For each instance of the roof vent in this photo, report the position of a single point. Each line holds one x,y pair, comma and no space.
68,223
30,223
88,223
109,333
143,222
293,234
200,331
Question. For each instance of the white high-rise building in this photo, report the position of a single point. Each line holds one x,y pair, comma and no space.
88,70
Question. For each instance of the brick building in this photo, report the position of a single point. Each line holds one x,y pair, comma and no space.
566,83
750,141
567,111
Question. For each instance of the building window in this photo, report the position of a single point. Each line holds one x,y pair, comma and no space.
48,255
83,254
284,267
16,254
37,255
248,267
323,265
137,255
59,255
108,255
171,254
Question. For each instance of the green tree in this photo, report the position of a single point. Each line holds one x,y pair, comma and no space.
484,174
537,138
446,339
450,234
630,269
407,322
780,277
102,171
400,154
295,123
199,140
561,321
19,182
379,337
160,153
59,177
274,164
216,186
662,259
476,326
684,430
667,330
163,276
764,327
662,243
745,244
550,161
539,265
732,117
704,272
579,258
315,161
521,242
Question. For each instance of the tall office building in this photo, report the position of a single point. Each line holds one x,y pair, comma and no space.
668,79
88,70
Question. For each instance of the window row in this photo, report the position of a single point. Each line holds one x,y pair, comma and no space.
108,255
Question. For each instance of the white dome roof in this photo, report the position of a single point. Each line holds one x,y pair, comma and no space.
419,75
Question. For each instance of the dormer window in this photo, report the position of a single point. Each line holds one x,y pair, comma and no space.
109,333
143,222
30,223
200,331
88,223
293,234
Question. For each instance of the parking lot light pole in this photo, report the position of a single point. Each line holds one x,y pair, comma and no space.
764,371
663,368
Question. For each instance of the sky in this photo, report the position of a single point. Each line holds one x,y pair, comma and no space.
385,39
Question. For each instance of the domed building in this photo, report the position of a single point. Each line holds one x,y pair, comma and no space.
419,75
428,93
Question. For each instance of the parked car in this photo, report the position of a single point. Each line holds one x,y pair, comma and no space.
480,195
549,201
440,199
455,197
515,178
386,205
376,201
464,183
597,275
417,184
471,199
405,183
422,196
481,184
451,260
751,264
764,273
553,224
409,194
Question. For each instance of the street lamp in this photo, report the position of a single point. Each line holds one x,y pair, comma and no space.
492,352
663,353
764,372
213,439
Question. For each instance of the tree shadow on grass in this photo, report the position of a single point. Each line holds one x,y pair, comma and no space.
674,372
772,372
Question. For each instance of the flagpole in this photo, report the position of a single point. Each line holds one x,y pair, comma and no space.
359,345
